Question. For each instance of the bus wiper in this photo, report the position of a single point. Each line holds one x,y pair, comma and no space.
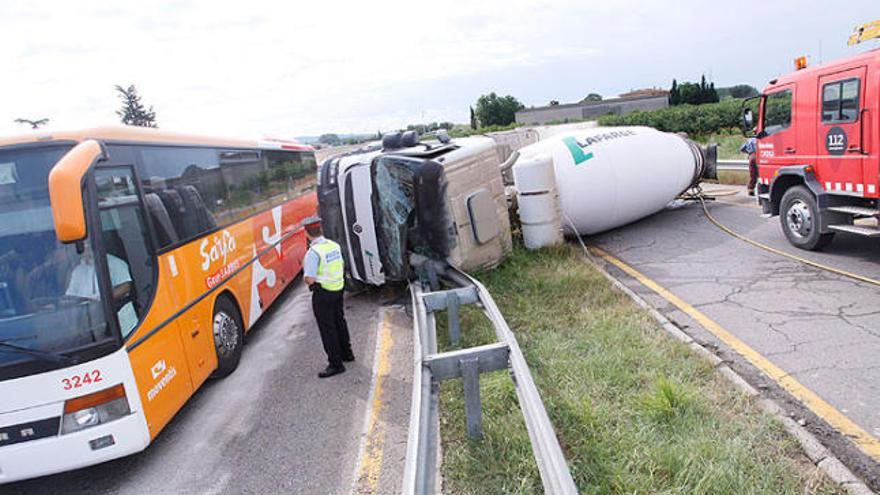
44,355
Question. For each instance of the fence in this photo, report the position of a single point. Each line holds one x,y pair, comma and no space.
431,367
733,165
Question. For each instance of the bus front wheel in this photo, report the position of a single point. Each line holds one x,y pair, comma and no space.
228,336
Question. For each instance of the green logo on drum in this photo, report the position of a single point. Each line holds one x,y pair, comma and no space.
577,152
578,148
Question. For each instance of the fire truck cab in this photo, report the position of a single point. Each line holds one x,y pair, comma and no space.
818,133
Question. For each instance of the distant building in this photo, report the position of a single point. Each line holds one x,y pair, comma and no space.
589,110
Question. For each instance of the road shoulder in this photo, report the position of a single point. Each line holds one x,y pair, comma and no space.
734,360
383,441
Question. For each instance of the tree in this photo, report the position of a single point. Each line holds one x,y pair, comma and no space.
692,93
711,94
674,94
331,139
133,111
739,91
703,90
497,110
689,93
593,97
35,124
473,119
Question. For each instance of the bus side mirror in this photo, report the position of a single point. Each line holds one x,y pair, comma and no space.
748,121
66,186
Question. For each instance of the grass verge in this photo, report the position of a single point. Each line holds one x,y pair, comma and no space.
728,149
733,177
728,144
635,411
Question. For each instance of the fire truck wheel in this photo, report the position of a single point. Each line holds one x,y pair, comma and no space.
228,336
799,215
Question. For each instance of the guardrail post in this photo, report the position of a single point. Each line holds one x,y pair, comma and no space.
452,305
431,367
470,377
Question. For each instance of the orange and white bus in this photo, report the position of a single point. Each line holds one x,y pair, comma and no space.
132,263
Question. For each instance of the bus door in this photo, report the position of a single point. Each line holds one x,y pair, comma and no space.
157,355
841,125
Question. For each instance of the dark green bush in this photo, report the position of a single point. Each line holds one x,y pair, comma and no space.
693,119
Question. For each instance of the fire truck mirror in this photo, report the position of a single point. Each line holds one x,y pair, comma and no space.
748,121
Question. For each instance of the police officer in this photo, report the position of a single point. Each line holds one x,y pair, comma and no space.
323,272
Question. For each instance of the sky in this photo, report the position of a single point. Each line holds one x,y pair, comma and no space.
255,69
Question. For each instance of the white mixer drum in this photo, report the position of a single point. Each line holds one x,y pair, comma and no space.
610,176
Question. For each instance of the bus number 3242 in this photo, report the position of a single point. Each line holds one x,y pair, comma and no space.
77,381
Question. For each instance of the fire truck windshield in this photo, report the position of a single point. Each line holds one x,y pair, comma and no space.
50,312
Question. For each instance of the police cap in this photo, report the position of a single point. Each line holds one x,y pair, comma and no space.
313,220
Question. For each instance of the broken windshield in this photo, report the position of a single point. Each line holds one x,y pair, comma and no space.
412,215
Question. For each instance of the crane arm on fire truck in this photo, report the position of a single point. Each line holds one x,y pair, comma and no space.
865,32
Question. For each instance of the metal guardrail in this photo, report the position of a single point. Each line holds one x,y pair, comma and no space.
430,367
733,165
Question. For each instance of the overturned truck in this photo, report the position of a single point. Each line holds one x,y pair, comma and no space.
390,204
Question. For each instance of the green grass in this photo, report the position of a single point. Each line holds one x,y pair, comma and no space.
635,411
733,177
728,149
464,131
728,144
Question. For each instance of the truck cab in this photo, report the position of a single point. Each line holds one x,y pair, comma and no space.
402,200
817,135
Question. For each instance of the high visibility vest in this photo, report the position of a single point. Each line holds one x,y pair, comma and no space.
331,274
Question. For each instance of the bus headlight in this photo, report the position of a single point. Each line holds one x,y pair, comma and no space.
86,417
94,409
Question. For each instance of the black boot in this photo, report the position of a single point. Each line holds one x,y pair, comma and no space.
348,357
331,370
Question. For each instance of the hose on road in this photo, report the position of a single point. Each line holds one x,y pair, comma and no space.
698,194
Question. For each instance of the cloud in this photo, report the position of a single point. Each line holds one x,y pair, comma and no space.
294,68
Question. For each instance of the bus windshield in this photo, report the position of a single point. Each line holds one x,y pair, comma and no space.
50,309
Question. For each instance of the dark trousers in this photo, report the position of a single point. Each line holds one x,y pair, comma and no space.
753,172
330,313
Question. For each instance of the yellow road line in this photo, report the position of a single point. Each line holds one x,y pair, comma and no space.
864,440
371,456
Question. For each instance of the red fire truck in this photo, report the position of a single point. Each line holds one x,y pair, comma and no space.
818,149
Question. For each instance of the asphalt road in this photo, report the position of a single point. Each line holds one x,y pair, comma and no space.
819,327
270,427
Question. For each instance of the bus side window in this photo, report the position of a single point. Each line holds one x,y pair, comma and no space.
291,173
188,185
130,262
247,179
191,191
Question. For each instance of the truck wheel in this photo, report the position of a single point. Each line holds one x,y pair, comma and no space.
228,336
799,215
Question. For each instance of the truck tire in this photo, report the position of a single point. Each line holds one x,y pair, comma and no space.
228,331
799,215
